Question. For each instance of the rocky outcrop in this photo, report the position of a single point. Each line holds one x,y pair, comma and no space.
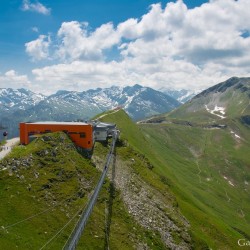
148,206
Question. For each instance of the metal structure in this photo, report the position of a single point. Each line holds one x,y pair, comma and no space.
78,230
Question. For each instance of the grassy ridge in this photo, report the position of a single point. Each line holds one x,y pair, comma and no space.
189,162
50,180
232,95
39,177
198,160
195,162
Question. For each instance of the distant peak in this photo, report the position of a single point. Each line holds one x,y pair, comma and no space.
62,92
137,86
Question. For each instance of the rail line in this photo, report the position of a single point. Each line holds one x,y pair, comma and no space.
78,230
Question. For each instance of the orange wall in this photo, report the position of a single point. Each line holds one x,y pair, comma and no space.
27,129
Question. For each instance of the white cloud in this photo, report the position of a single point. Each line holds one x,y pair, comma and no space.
35,7
39,48
12,79
168,46
80,75
76,42
35,29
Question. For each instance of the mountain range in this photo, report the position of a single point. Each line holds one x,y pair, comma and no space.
182,95
23,105
12,100
138,102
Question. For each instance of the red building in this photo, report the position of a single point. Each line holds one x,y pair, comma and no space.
80,133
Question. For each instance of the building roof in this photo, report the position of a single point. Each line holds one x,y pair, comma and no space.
58,123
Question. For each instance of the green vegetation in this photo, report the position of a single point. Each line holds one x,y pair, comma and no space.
147,196
198,161
42,176
162,172
206,169
49,182
3,142
232,96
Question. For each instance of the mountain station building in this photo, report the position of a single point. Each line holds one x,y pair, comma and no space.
80,133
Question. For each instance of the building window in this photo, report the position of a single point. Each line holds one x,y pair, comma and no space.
82,135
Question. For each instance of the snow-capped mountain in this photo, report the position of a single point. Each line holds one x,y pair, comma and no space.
138,101
23,105
18,99
182,95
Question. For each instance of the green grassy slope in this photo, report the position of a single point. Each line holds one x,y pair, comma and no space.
49,182
134,154
232,95
210,174
206,169
38,177
161,169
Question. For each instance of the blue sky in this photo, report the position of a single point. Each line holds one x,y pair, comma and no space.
76,45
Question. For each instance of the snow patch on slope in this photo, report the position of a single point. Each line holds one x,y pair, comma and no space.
237,136
217,110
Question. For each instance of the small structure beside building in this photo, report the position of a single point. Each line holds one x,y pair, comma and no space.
102,131
80,133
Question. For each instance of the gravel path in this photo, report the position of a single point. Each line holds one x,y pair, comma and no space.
8,146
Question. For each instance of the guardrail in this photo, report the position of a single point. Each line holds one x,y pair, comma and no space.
78,230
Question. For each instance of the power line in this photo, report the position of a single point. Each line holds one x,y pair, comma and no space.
73,229
12,225
37,214
61,229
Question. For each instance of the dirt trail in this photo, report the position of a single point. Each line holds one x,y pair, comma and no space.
108,114
8,147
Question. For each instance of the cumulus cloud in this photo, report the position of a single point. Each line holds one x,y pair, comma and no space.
170,46
35,7
39,48
80,75
13,79
76,42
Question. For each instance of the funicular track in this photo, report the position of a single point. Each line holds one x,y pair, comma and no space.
78,230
